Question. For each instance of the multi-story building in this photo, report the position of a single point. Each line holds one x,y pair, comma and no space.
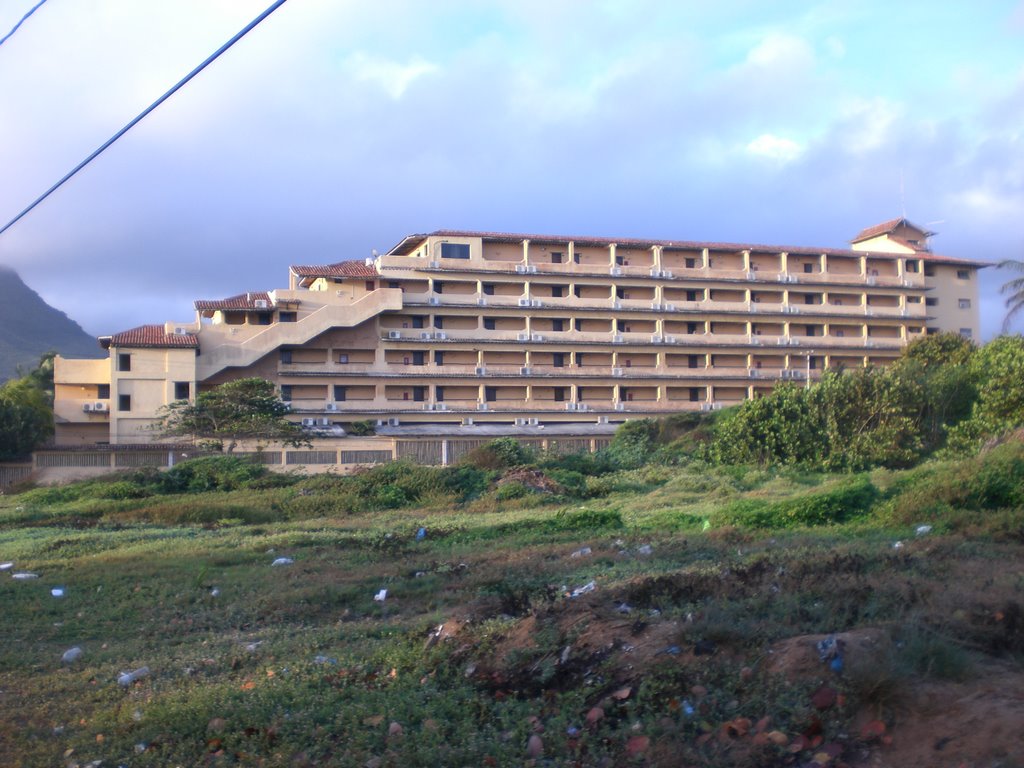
459,328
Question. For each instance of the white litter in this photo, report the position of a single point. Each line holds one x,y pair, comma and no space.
215,592
71,654
583,552
381,596
57,591
898,545
6,566
24,576
253,647
588,587
644,549
923,530
282,561
127,678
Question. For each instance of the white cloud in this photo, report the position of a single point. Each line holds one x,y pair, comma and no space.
779,50
868,123
393,77
775,147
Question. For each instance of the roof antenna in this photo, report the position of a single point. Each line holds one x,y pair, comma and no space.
903,201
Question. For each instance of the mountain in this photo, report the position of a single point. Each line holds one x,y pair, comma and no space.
29,328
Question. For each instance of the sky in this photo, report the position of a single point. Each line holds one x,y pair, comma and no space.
336,128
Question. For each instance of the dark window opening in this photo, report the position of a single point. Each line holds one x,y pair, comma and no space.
339,393
439,394
417,321
558,359
419,394
182,390
438,322
808,269
418,358
454,251
556,325
489,323
438,357
287,317
694,394
488,289
556,257
370,285
286,356
124,362
490,394
103,391
438,286
691,263
557,291
693,361
691,296
124,402
559,394
264,318
286,392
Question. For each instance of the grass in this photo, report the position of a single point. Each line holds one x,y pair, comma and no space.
299,665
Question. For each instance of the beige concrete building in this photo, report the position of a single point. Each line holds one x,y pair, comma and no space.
461,329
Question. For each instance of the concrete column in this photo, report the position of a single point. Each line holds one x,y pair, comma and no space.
863,266
784,263
824,263
611,255
746,261
705,258
526,251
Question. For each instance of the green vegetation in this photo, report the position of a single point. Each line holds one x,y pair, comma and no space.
658,602
239,409
26,416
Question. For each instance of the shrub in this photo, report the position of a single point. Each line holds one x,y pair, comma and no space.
633,443
502,453
361,428
833,506
211,473
466,482
511,490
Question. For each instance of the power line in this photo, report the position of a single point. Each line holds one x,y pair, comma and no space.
209,60
22,21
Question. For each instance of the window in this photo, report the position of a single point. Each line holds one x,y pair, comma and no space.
370,285
439,394
124,362
966,333
963,274
931,302
103,391
557,325
287,317
490,394
692,361
964,303
339,393
579,359
691,296
124,402
264,318
419,394
694,394
559,394
286,356
620,325
439,322
454,251
808,298
489,324
438,357
182,390
691,263
438,286
557,291
558,359
417,321
393,284
286,392
343,358
808,268
488,289
912,266
929,270
556,257
691,327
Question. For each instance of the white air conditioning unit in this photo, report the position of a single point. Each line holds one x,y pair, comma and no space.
655,272
716,406
616,371
434,265
394,334
440,406
524,302
656,339
481,371
531,269
798,374
786,374
521,268
261,304
180,330
537,303
666,273
670,307
308,422
332,407
617,339
441,335
616,305
602,419
87,407
705,406
434,301
520,422
481,302
751,275
756,343
616,271
522,337
393,422
872,281
670,339
753,373
428,406
536,337
467,421
570,406
426,335
533,422
324,421
100,407
525,371
620,406
482,406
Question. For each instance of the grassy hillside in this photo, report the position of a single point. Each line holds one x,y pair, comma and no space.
695,644
32,328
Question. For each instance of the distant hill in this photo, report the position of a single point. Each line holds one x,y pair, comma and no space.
29,328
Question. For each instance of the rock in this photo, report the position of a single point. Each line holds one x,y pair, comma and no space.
594,716
395,729
535,746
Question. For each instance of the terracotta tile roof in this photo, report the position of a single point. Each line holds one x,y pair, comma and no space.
410,243
888,227
341,269
241,301
151,336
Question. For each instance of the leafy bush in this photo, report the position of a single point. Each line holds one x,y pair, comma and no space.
511,490
502,453
466,482
633,443
833,506
211,473
361,428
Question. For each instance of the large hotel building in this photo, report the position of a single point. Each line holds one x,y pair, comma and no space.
454,330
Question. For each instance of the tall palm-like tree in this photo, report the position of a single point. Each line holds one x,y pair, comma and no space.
1013,290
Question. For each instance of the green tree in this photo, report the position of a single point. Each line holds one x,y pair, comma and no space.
240,409
26,415
1013,289
998,368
